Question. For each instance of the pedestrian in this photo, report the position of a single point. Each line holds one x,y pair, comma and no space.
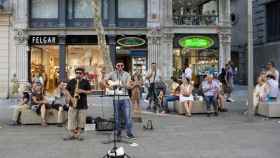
187,74
154,76
136,85
77,88
229,83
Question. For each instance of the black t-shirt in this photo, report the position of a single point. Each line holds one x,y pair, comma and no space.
84,85
38,96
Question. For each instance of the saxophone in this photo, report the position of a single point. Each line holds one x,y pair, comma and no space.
76,95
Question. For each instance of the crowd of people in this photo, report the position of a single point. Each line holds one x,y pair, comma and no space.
215,89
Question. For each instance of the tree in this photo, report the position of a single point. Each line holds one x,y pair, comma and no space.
96,5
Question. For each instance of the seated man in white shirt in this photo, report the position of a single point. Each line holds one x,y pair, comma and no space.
273,90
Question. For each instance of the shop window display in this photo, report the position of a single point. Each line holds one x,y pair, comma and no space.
89,57
44,66
201,61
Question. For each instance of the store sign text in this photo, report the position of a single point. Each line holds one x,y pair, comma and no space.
44,40
196,42
131,41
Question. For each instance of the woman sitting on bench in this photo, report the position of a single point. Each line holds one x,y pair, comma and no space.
60,102
39,103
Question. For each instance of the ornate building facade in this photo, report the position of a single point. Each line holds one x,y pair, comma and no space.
51,38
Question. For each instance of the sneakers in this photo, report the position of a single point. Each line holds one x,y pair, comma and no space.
131,137
230,100
13,123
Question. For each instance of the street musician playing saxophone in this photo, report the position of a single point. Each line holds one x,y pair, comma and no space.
78,89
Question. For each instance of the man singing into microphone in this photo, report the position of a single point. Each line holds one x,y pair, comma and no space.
121,80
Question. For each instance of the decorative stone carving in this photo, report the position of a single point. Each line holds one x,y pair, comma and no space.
21,36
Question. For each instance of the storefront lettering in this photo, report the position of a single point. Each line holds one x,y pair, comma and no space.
43,40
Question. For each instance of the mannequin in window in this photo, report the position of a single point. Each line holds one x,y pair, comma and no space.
51,75
87,58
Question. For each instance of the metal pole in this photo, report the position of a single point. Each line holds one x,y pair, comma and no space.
250,62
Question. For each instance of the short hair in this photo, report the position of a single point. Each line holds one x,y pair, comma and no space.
153,63
80,69
272,63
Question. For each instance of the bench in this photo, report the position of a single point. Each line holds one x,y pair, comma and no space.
30,117
198,107
269,109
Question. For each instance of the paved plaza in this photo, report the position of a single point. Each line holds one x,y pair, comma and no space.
229,135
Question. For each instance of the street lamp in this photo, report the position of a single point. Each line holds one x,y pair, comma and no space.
250,62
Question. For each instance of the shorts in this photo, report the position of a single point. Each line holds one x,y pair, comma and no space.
37,108
56,106
76,118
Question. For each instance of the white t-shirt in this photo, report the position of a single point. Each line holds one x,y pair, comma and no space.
273,88
188,73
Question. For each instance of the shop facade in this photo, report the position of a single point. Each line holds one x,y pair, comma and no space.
55,40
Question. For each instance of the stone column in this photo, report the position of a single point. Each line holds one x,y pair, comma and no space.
21,56
225,49
153,47
62,57
112,47
21,38
112,13
166,55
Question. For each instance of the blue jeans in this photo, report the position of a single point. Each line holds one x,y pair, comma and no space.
169,98
211,100
123,108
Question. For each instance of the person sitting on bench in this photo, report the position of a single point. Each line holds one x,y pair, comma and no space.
173,93
23,105
60,102
39,103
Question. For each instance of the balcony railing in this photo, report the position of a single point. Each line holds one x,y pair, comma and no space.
195,19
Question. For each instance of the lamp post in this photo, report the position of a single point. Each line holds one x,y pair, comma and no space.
250,62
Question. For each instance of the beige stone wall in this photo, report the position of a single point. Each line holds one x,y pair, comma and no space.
4,55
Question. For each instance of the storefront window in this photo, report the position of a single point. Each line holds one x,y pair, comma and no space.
45,65
89,57
43,9
201,61
80,9
131,8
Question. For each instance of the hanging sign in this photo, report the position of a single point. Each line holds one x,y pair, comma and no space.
196,42
131,41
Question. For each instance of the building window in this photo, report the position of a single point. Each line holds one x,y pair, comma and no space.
131,9
273,21
80,9
42,9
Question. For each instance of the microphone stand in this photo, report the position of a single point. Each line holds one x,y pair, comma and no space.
115,148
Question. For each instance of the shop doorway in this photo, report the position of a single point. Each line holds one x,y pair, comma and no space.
45,66
201,61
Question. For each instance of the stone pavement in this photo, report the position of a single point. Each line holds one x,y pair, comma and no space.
229,135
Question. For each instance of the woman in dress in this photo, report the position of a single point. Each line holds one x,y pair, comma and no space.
136,85
186,96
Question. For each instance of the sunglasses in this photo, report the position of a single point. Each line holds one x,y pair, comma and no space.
78,72
119,65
